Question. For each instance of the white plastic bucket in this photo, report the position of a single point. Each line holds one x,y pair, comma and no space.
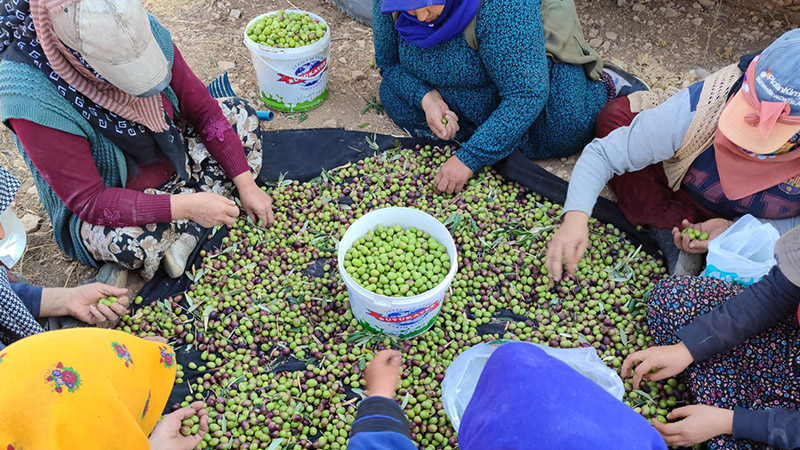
403,317
12,246
292,79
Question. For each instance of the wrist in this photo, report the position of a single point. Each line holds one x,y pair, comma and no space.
725,425
576,218
55,302
180,206
244,182
387,393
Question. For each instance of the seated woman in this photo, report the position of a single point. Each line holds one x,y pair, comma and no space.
717,150
93,389
21,304
481,72
130,154
524,399
739,349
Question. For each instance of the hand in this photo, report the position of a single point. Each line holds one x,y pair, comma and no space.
383,373
452,176
700,423
205,208
436,110
81,302
256,203
713,227
167,433
669,360
568,245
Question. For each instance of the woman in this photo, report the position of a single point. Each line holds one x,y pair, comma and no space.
717,150
21,304
90,388
523,399
480,72
130,154
740,350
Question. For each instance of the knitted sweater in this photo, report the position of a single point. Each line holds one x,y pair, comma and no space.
25,93
507,94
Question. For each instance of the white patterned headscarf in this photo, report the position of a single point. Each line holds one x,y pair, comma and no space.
15,320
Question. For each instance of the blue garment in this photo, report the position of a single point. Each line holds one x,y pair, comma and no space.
455,18
31,297
525,396
507,94
380,425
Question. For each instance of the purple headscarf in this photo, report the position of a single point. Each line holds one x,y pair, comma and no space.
454,20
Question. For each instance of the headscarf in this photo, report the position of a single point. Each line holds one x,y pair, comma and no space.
526,399
455,18
138,126
16,321
87,388
743,173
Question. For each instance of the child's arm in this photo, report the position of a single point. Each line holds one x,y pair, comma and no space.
380,423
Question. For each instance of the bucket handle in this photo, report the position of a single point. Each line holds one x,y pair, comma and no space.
382,302
275,69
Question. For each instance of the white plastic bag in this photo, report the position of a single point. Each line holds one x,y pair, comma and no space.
462,376
743,253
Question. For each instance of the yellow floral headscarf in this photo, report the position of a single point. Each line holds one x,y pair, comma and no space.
84,388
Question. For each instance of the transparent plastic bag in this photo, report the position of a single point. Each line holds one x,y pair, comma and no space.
462,376
743,253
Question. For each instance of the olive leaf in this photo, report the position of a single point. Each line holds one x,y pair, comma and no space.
274,444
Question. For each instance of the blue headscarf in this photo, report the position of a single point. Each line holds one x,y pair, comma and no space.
526,399
454,20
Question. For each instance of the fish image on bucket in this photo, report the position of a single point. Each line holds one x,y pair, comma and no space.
404,317
291,79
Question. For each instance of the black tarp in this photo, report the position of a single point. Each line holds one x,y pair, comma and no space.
302,154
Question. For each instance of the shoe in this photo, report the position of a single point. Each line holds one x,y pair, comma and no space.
112,275
177,255
625,82
689,264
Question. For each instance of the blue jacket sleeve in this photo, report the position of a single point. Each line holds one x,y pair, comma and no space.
752,311
387,42
511,47
31,297
380,425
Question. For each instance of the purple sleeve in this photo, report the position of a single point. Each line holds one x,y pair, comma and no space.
205,115
65,162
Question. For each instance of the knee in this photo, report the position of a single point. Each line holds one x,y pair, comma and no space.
616,114
400,111
669,308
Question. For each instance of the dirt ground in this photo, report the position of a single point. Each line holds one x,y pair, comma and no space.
668,43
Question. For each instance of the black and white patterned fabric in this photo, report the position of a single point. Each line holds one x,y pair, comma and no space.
140,145
15,320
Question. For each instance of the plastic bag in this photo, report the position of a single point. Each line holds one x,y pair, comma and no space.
743,253
463,374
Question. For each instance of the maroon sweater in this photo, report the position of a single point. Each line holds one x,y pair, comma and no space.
65,160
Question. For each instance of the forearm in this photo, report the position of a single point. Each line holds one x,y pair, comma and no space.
777,427
755,309
652,137
496,138
206,116
66,163
55,302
